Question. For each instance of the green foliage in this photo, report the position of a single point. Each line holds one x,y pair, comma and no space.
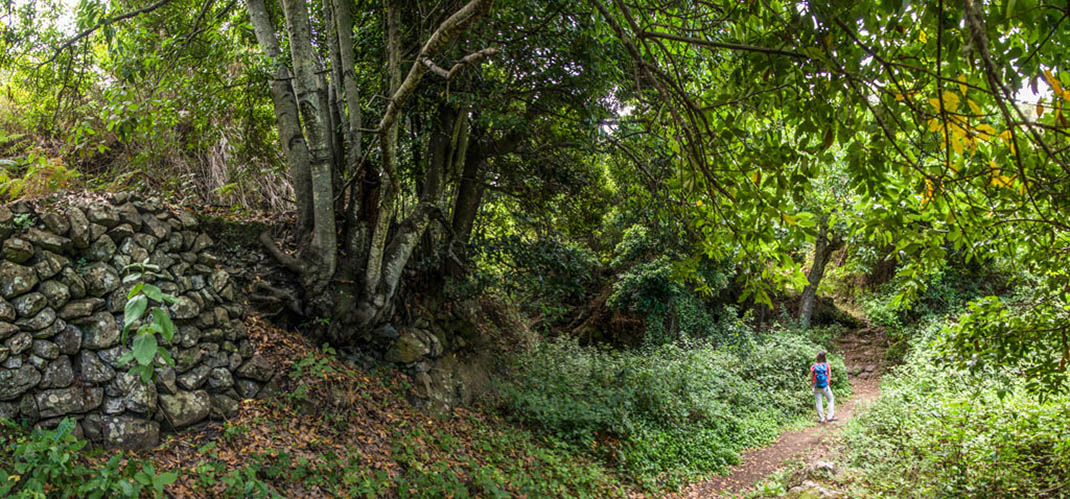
310,365
313,365
547,468
37,175
134,103
241,482
672,311
41,460
548,274
47,463
145,348
666,288
941,431
999,332
673,409
24,221
484,462
947,290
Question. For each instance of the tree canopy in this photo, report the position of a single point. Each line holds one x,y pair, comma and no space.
930,131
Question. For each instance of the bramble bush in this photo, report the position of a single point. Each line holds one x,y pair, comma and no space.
671,410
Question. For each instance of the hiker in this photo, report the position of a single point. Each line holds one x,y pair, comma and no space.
820,379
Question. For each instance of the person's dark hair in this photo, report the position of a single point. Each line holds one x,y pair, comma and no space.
820,357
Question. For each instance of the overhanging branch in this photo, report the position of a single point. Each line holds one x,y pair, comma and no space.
446,31
90,31
721,45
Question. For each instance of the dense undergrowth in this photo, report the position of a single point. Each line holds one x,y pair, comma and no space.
947,426
938,431
46,462
668,412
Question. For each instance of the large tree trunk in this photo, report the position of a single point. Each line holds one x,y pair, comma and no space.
465,209
316,124
439,154
384,264
823,249
388,130
476,154
437,170
343,18
287,119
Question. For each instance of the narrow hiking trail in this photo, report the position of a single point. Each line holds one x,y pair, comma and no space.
863,351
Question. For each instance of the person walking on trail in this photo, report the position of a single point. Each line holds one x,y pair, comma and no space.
820,379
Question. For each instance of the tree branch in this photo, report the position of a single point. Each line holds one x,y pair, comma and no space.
90,31
721,45
465,61
445,32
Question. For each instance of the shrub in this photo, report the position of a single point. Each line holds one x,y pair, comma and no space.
671,289
672,310
37,175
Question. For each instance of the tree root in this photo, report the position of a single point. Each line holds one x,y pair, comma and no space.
286,260
267,293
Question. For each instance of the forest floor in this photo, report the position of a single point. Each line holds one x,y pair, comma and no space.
863,353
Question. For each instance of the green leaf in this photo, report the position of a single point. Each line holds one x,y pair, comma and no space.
161,317
806,219
164,479
135,290
143,478
145,373
135,308
153,292
166,356
144,348
132,277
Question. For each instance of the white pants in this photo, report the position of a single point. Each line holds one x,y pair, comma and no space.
817,401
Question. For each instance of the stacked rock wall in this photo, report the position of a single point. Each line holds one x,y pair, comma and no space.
61,318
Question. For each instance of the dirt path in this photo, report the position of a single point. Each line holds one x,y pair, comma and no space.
863,351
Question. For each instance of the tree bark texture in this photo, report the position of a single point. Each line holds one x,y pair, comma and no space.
343,18
287,119
465,208
823,249
381,275
316,125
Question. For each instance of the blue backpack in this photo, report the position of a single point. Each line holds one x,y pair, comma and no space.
821,375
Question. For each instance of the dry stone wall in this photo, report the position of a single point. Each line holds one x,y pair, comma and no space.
61,304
